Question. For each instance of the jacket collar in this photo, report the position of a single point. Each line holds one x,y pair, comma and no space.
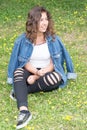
49,38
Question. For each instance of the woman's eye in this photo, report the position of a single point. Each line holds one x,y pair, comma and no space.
44,19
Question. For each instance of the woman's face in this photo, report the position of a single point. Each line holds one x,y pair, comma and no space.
43,23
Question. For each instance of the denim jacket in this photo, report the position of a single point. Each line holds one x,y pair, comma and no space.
22,51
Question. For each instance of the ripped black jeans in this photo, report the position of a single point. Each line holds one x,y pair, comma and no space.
50,81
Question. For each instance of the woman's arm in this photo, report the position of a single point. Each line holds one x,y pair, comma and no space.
49,68
13,63
31,68
40,72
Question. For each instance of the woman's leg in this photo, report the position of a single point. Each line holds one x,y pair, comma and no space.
20,86
32,78
48,82
21,92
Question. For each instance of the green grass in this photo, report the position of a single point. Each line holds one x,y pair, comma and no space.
63,109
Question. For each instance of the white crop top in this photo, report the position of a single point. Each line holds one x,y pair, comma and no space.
40,57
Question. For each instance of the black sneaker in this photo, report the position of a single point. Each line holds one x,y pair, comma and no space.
23,119
12,95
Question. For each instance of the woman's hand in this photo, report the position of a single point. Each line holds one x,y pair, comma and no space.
32,78
41,72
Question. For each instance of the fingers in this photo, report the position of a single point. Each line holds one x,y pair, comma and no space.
41,72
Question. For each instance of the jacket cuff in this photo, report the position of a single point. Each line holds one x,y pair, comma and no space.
71,75
9,80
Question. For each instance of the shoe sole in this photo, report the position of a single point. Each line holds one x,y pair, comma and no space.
12,98
24,124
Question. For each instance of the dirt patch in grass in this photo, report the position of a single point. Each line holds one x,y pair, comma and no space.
75,36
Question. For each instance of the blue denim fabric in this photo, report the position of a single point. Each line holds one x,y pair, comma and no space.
22,51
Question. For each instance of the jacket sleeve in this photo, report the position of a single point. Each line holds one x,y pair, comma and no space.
13,63
69,64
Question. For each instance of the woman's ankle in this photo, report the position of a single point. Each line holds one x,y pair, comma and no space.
23,108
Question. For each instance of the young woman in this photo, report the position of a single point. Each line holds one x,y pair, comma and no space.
36,62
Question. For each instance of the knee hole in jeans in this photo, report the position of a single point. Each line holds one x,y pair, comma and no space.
18,75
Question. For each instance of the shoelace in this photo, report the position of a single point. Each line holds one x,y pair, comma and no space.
21,116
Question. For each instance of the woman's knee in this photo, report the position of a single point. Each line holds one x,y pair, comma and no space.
52,79
18,74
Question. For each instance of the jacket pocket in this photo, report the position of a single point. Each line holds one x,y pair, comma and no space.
57,55
22,59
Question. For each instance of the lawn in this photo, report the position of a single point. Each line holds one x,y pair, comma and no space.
62,109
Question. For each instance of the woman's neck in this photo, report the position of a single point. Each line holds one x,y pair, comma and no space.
40,39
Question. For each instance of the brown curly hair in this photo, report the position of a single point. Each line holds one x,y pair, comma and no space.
32,23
